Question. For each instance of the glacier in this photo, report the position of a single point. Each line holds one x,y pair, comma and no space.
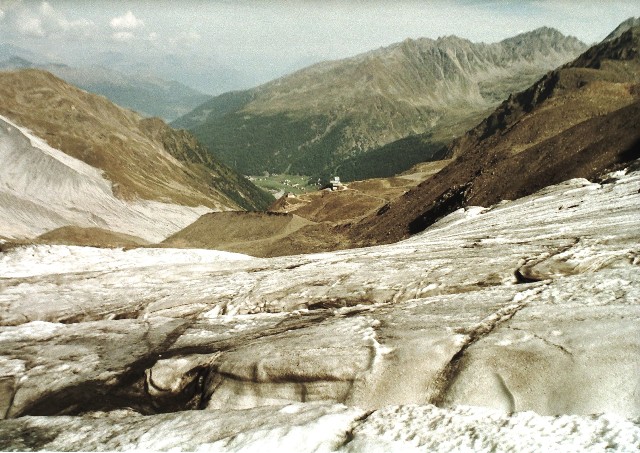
509,328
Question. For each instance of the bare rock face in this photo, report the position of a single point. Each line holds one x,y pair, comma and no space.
528,311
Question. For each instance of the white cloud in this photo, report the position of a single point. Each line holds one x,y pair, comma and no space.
53,21
126,22
188,38
42,20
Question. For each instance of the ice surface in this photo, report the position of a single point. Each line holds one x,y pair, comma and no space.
429,428
317,427
41,260
528,311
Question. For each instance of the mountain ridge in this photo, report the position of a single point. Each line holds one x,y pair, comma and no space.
624,26
312,120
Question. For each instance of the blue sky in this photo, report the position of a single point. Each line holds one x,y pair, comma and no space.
259,40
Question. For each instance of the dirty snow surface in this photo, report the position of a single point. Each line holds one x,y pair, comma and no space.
42,188
513,328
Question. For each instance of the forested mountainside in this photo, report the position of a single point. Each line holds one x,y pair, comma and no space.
338,116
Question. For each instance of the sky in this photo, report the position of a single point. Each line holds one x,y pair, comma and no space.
242,43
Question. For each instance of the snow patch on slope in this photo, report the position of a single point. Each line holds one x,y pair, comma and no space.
30,261
42,188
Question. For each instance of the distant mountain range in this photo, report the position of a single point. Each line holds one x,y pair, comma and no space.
581,120
102,151
19,54
205,74
150,96
344,116
578,121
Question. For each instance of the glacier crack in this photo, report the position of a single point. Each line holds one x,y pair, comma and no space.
445,378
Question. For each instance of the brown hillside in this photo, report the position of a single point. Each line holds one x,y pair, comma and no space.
313,222
143,158
90,237
253,233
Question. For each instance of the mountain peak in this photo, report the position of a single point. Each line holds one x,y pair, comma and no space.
546,35
452,40
624,26
545,31
623,46
15,62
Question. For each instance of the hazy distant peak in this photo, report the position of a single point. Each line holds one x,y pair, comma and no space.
9,50
544,34
15,63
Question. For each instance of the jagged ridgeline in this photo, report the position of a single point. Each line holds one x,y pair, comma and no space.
375,114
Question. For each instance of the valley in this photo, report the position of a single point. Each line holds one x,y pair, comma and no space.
578,121
400,104
280,184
